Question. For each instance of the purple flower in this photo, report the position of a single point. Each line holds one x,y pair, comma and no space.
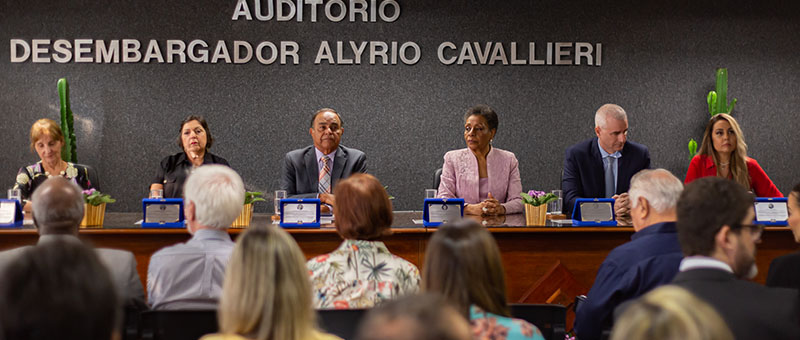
534,193
89,192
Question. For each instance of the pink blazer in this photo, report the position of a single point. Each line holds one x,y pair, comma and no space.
460,178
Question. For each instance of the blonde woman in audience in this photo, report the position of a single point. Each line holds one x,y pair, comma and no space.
463,264
266,294
361,272
670,313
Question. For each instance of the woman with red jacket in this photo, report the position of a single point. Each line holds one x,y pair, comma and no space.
723,153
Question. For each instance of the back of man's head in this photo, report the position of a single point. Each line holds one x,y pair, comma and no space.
660,188
705,206
57,291
217,193
57,206
415,317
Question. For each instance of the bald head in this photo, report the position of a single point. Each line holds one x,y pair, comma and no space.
57,206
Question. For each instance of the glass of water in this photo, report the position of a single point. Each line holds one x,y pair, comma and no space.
555,206
430,193
15,194
279,195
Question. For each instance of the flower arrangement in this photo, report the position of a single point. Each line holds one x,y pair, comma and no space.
537,198
251,197
95,198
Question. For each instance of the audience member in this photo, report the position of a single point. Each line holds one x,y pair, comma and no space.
603,166
719,241
59,290
670,313
649,260
463,264
189,275
267,294
361,272
784,271
57,213
415,317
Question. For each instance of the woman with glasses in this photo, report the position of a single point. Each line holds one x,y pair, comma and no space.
784,271
723,153
487,178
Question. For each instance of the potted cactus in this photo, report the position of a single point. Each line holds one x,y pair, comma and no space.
717,103
69,151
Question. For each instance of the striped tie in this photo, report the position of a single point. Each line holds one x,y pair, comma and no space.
325,176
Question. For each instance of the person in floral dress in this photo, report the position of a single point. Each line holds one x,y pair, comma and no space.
47,140
361,272
463,263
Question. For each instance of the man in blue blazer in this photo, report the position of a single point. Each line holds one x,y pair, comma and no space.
313,171
603,166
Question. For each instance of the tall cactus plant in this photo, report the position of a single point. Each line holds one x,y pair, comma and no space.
717,102
69,150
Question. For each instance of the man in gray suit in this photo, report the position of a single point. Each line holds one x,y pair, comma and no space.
57,214
313,171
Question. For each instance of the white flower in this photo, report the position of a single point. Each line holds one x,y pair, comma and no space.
72,172
22,179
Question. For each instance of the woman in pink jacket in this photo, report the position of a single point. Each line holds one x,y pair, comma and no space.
487,178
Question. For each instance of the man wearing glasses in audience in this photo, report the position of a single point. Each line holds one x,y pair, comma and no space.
715,217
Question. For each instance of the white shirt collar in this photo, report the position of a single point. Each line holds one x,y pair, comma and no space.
697,262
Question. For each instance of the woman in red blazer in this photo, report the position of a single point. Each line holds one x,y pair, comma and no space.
724,154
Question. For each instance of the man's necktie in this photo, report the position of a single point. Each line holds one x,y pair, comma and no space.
325,176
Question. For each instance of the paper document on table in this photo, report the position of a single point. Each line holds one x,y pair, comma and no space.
300,213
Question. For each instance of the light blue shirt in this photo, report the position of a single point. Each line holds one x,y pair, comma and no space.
332,156
607,158
189,275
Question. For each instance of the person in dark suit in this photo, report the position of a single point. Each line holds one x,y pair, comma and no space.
57,213
313,171
603,166
784,271
719,242
649,260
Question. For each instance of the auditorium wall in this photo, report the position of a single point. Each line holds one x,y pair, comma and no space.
655,59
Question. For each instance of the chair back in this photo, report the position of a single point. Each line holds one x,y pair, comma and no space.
177,325
94,178
341,322
551,319
437,178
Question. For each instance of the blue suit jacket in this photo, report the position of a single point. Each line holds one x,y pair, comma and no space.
584,176
649,260
300,176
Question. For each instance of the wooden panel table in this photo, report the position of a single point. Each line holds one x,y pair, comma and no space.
528,253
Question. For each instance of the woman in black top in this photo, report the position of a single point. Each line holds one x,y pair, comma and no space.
784,271
195,139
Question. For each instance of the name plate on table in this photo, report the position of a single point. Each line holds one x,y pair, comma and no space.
598,212
771,211
300,213
442,210
162,213
10,214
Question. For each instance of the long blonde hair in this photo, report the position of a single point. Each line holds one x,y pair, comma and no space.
738,166
670,313
267,293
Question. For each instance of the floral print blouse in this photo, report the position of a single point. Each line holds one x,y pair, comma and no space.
30,177
360,274
488,326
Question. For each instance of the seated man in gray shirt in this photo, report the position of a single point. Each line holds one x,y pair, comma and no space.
189,275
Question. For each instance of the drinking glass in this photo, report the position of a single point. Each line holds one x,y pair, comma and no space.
15,194
430,193
157,193
555,206
279,195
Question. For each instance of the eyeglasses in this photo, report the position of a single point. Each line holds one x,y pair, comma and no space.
755,229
